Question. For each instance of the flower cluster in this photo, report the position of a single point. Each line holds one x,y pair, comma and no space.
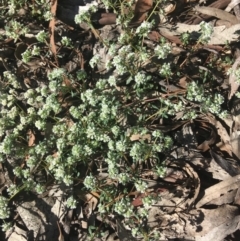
11,79
213,103
88,127
15,29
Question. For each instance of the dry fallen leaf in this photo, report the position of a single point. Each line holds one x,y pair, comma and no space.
51,29
235,142
232,79
31,138
212,224
137,137
2,179
221,34
231,168
218,13
211,132
60,237
222,132
141,8
220,193
217,171
237,197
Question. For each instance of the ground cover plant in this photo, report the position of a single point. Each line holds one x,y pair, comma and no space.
98,111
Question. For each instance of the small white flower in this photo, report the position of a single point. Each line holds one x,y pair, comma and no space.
26,56
35,51
90,182
166,69
6,226
157,134
112,81
56,73
120,146
161,51
144,28
124,207
124,178
94,60
39,188
4,209
40,124
206,32
141,186
66,41
12,189
47,15
71,202
41,36
115,130
140,78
